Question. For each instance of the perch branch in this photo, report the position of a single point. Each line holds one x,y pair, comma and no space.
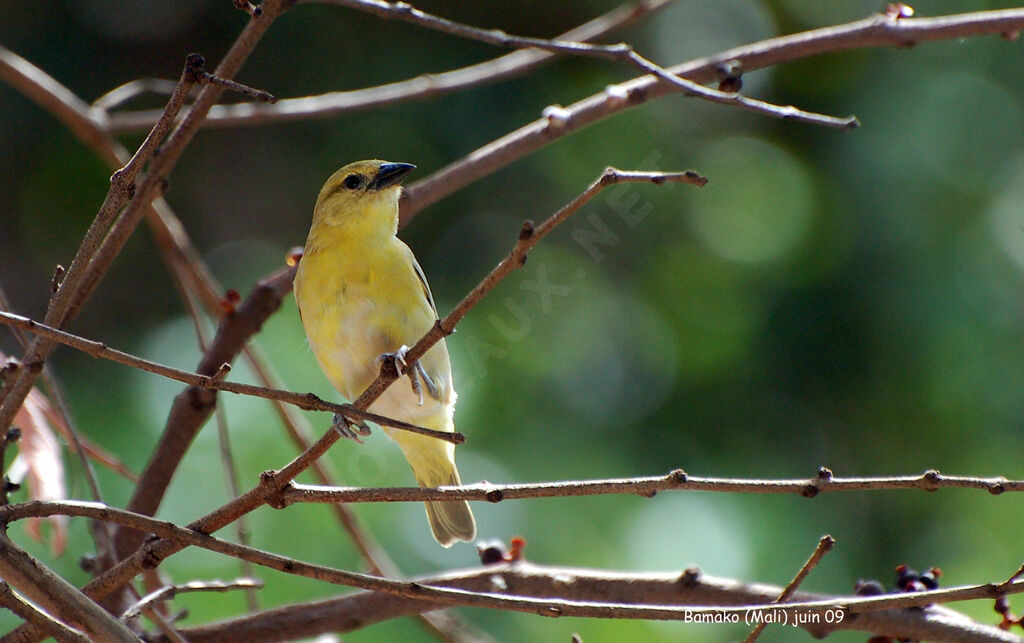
306,401
272,481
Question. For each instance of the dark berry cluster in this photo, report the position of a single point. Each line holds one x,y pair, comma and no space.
907,580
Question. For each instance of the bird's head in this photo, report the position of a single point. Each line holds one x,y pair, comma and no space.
362,194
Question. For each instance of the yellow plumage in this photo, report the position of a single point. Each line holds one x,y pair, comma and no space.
361,294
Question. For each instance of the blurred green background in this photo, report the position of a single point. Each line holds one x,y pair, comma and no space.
846,299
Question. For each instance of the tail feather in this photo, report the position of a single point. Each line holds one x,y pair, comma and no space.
450,521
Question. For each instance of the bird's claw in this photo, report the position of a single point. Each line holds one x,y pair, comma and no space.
350,430
418,377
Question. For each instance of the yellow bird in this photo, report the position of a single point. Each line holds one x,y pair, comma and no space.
362,296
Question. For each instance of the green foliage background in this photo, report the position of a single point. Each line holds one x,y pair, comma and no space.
848,299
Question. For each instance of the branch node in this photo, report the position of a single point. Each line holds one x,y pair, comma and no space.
441,328
58,276
932,478
557,117
996,489
268,476
677,476
690,576
527,230
494,495
551,610
809,491
825,474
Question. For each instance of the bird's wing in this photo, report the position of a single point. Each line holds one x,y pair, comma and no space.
423,282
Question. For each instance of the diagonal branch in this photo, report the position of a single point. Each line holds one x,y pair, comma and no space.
56,595
620,52
334,104
875,31
107,235
273,481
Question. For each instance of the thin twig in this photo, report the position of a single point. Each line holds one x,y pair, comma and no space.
334,104
107,236
875,31
437,592
170,591
620,52
825,545
647,486
273,481
187,271
306,401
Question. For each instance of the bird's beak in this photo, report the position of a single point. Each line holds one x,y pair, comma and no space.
390,174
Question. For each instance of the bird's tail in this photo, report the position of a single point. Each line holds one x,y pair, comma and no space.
449,521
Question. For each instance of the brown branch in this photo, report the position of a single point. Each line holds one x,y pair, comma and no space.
334,104
875,31
825,545
170,591
56,595
273,481
107,235
620,52
31,614
584,593
193,406
591,599
274,286
692,588
677,480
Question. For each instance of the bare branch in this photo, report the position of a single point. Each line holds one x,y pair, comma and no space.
875,31
215,381
583,593
31,614
169,592
825,545
643,486
620,52
333,104
56,595
693,588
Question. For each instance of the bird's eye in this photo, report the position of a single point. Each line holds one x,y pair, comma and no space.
353,181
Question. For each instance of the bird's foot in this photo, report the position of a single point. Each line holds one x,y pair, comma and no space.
350,430
418,377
